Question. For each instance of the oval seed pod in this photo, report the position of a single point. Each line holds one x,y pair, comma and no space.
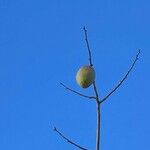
85,76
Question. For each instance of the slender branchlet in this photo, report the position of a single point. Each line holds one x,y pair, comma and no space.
88,46
96,94
123,79
68,140
78,93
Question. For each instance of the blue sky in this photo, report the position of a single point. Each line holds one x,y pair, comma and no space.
42,43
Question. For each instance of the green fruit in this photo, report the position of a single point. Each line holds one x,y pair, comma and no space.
85,76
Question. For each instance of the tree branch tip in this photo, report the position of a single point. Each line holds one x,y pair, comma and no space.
67,139
139,50
84,28
137,55
54,129
61,83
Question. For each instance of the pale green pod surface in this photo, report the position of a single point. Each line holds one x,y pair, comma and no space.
85,76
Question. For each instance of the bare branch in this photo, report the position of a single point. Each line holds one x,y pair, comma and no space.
88,46
96,94
80,94
98,117
68,140
124,78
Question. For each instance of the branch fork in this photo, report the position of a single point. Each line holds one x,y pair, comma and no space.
96,97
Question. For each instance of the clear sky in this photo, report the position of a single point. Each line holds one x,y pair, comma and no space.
42,43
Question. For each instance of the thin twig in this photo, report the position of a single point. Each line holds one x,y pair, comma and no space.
124,78
68,140
80,94
96,94
88,47
96,91
98,117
